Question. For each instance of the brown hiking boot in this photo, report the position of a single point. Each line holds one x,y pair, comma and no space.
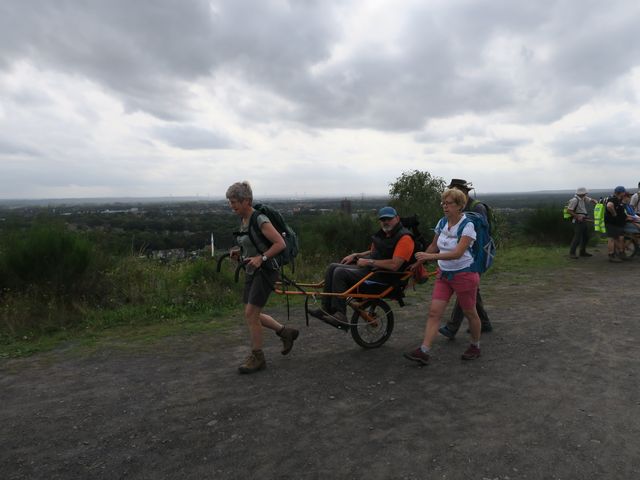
288,336
253,363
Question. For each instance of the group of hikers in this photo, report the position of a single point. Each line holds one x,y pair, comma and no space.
615,216
393,248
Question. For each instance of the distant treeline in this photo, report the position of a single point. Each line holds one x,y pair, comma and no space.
533,199
138,228
499,200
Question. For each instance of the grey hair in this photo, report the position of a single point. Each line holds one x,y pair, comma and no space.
240,191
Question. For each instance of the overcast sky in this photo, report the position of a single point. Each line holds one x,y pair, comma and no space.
184,97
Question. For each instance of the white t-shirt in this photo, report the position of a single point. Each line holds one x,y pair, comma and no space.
448,241
635,198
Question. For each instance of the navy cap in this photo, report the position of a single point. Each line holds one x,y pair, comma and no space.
387,212
619,189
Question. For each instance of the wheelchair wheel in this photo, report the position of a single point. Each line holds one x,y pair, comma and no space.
372,334
630,246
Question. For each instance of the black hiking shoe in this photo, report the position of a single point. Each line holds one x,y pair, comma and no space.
318,313
444,330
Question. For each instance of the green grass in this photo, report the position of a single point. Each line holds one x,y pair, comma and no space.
186,300
118,328
522,259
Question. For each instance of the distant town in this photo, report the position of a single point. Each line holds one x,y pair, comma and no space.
174,227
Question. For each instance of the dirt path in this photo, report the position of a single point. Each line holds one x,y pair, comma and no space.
555,396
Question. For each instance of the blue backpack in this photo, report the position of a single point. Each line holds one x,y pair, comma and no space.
483,249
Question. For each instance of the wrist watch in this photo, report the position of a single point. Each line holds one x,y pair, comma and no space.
264,258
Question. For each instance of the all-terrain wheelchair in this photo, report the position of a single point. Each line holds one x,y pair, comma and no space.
372,319
632,243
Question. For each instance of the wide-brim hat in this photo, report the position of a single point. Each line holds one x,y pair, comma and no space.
581,191
460,183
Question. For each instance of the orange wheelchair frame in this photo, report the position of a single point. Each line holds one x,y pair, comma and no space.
372,320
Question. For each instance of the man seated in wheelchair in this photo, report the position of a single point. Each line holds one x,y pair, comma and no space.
391,250
632,225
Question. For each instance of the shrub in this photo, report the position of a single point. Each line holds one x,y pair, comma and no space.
337,234
418,193
46,257
545,225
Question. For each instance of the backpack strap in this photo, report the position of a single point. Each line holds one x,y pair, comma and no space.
461,228
254,232
463,224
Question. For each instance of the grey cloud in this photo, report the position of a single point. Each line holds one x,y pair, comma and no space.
12,148
433,134
604,43
147,52
617,133
491,148
192,138
22,178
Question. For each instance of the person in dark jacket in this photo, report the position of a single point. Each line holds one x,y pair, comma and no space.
614,220
391,249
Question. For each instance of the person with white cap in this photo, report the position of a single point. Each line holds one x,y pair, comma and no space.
577,208
391,249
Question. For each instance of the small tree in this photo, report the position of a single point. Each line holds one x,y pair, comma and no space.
47,256
418,193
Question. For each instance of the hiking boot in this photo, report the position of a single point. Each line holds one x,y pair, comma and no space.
444,330
318,313
340,317
417,355
253,363
325,317
614,259
336,319
585,254
471,353
288,336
